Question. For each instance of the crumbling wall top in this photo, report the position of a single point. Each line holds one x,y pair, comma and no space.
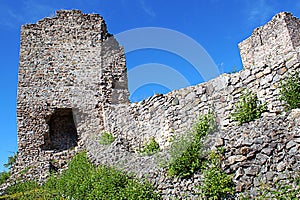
272,44
71,18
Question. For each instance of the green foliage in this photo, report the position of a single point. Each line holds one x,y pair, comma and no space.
216,183
75,181
106,138
151,147
11,161
83,181
248,108
113,184
4,176
186,150
203,126
30,190
22,187
290,91
186,162
181,154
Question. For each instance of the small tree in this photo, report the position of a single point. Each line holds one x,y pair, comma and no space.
150,147
106,138
216,183
186,151
3,177
248,108
11,160
290,91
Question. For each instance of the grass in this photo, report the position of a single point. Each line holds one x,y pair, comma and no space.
186,150
150,147
82,180
106,138
248,108
216,184
290,91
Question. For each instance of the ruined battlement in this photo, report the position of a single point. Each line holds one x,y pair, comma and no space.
272,44
70,69
73,86
69,31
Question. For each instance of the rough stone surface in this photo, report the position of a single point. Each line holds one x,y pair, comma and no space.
70,64
70,69
160,117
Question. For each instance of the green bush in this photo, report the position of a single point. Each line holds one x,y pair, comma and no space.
186,150
11,160
22,187
203,125
75,182
151,147
29,190
216,183
106,138
113,184
248,108
4,176
290,91
83,181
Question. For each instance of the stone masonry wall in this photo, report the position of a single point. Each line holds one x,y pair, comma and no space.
71,63
272,44
262,153
68,61
163,116
257,154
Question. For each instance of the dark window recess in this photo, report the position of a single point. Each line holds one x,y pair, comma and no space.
62,133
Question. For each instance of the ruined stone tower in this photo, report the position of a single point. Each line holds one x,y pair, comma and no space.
73,85
273,44
70,70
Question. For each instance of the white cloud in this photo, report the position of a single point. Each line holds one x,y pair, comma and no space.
260,11
27,12
147,9
34,10
8,17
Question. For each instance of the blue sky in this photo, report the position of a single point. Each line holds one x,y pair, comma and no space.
217,25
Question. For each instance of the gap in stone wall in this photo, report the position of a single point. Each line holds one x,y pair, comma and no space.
62,132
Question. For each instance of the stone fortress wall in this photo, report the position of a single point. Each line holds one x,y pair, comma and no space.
72,76
271,52
70,67
258,153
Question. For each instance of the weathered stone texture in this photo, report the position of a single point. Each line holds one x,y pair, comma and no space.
257,154
162,116
70,64
272,44
253,150
68,61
